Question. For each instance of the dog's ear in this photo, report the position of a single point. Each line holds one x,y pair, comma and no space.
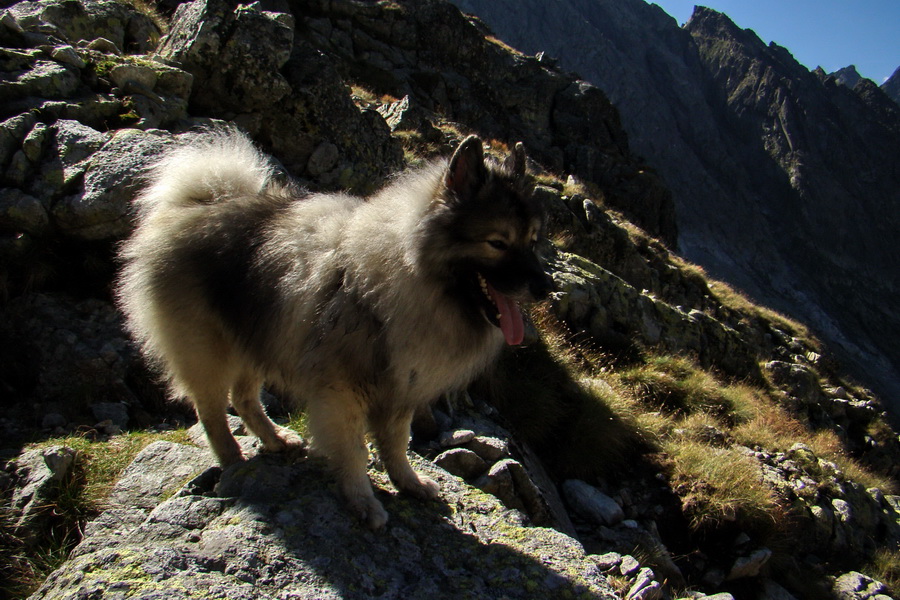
515,162
466,172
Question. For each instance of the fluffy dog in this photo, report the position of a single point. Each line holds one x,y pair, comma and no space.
363,308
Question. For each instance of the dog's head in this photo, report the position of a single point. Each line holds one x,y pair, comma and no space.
482,235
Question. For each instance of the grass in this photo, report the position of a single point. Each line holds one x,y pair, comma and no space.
885,567
739,302
82,496
722,485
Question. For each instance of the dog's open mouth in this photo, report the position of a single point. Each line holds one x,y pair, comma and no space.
503,312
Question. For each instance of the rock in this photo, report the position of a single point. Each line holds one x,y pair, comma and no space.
280,532
85,21
158,471
103,210
458,437
799,380
856,586
461,462
644,587
248,66
490,449
22,212
749,566
402,116
38,474
629,566
591,503
509,481
608,561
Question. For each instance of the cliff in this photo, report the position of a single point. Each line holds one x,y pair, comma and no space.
661,435
782,181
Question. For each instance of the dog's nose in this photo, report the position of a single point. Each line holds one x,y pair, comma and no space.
541,287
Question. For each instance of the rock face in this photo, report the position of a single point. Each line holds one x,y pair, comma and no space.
782,180
269,529
848,76
891,87
429,52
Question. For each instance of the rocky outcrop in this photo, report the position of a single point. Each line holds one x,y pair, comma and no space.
269,528
848,76
782,179
891,87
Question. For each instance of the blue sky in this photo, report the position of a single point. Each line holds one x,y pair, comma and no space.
827,33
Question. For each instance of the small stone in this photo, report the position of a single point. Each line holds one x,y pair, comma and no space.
452,439
652,591
67,54
608,561
127,74
749,566
592,504
853,586
490,449
461,462
629,565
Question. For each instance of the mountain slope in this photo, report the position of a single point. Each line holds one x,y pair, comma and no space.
891,87
784,183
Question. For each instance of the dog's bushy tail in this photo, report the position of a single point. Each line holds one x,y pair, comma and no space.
211,166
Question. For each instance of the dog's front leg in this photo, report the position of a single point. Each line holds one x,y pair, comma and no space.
391,429
337,422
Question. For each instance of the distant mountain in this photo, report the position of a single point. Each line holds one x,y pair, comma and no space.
891,87
785,182
847,76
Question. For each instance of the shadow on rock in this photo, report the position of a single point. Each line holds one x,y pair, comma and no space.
270,528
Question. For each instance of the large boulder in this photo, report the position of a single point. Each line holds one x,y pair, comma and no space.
272,529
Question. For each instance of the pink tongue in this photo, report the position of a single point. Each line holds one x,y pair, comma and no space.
511,323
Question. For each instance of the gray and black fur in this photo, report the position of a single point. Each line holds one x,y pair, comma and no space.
365,308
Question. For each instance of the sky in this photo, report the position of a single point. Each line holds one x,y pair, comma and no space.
828,33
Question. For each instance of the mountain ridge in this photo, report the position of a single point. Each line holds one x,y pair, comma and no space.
782,180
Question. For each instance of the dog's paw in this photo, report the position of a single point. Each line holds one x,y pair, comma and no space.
287,441
369,511
423,488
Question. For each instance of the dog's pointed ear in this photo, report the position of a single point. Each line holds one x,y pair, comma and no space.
466,172
515,162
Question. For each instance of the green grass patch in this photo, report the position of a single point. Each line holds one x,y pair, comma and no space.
721,485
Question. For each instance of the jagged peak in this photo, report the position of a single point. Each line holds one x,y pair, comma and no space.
712,23
847,76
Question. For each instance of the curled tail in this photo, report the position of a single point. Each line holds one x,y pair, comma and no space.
213,165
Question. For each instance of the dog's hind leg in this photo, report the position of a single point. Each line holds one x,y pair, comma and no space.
211,406
337,420
245,400
391,430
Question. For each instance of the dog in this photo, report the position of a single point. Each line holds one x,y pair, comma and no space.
365,309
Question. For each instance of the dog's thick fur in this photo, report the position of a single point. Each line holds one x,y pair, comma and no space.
363,308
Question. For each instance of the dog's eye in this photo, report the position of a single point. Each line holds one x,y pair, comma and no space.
498,244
